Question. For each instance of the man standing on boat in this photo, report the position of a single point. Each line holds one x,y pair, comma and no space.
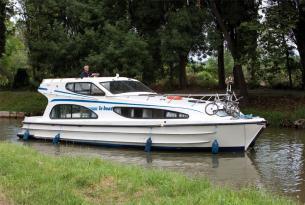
86,73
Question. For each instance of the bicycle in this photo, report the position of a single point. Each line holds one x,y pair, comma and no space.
228,105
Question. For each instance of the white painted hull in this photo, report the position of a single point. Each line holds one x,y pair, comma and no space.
230,137
131,117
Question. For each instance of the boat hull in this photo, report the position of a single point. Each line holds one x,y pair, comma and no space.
230,137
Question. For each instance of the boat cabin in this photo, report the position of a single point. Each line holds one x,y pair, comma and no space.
115,97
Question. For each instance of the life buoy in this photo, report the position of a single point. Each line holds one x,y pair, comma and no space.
174,97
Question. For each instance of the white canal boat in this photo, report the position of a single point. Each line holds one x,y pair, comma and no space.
118,111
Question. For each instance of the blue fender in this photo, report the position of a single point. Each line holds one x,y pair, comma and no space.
215,147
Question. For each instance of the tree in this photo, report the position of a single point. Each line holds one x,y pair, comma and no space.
234,18
6,10
184,34
216,43
299,32
15,56
3,4
121,51
64,35
283,29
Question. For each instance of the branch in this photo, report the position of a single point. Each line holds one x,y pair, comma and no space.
221,23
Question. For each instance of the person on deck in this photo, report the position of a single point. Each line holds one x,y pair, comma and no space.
86,73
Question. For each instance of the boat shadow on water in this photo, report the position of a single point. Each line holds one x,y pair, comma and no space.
235,169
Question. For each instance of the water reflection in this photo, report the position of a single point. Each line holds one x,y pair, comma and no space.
276,162
279,157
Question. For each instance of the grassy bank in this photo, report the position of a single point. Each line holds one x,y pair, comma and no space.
28,177
22,101
277,118
278,108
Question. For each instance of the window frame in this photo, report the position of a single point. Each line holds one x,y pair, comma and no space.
73,118
147,118
110,81
73,91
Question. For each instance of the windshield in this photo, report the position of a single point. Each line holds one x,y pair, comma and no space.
125,86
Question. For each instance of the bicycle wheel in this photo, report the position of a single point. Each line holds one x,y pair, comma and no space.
211,108
233,110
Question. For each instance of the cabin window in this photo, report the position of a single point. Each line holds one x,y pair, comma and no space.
148,113
125,86
85,89
72,112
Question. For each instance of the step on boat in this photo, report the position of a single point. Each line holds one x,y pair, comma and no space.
119,111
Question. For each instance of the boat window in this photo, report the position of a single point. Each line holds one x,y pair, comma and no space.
72,112
96,91
85,89
125,86
82,88
148,113
70,87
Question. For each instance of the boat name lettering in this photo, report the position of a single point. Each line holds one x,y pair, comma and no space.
105,108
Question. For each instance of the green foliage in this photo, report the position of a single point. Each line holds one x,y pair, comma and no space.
79,180
211,64
184,33
200,75
122,52
276,117
152,40
278,49
15,55
3,4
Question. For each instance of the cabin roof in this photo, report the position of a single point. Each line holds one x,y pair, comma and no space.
88,79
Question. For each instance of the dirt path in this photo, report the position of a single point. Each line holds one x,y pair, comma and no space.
3,199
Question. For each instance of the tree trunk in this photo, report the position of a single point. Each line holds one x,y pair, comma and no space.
231,38
221,67
288,68
2,26
182,71
300,41
302,59
252,71
239,80
299,33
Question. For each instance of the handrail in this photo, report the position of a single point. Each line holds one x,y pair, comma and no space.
194,95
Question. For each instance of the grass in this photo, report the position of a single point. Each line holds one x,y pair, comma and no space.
278,118
22,101
278,110
28,177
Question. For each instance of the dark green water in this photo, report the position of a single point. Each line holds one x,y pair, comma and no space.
276,163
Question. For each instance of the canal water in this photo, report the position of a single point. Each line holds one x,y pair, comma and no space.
276,163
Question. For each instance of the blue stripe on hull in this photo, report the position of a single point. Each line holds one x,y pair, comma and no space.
190,149
120,103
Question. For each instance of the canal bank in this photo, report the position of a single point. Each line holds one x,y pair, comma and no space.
83,180
13,103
